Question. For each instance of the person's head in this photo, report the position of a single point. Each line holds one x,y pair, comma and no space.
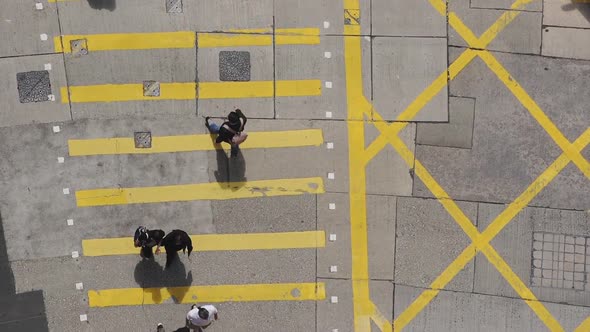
203,313
141,235
233,117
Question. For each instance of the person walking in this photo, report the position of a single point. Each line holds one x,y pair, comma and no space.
230,131
147,239
175,241
200,317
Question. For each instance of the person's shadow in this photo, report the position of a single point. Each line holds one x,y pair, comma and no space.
229,169
584,8
151,276
103,4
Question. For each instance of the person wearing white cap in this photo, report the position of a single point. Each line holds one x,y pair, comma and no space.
200,317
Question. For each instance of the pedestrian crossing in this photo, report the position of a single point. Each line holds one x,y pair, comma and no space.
103,197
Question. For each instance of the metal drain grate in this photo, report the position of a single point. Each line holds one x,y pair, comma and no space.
559,260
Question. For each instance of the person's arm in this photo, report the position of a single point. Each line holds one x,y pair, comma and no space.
242,116
159,242
215,315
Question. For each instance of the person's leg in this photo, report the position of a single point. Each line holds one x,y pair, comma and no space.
147,252
213,128
235,148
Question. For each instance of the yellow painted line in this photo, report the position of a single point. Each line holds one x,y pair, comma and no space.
203,191
535,111
128,41
185,143
260,37
184,91
215,242
379,319
207,294
187,39
585,325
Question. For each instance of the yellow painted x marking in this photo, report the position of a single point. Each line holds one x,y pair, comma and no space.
359,157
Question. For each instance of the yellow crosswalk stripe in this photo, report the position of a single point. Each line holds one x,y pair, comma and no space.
185,143
207,294
188,90
187,39
215,242
202,191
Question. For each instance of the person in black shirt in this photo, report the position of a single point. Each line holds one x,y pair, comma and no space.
175,241
147,239
236,121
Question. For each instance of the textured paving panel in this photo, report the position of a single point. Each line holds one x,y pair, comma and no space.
234,66
33,86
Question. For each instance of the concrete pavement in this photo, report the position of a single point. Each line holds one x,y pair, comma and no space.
411,166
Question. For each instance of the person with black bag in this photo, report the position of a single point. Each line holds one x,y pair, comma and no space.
231,131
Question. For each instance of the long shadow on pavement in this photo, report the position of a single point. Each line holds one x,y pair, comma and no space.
18,312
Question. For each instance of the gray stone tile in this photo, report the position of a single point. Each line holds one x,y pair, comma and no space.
456,311
565,43
396,81
33,86
458,133
513,244
427,241
399,18
565,14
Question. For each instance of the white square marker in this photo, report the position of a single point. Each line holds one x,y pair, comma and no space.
328,114
333,268
70,222
56,129
51,97
334,330
367,38
334,299
330,145
332,206
61,160
43,36
79,286
328,84
327,55
39,6
66,191
326,24
75,254
332,237
83,318
331,176
47,66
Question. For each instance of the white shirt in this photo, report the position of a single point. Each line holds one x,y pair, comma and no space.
193,315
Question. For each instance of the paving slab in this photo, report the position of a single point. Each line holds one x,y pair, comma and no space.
333,217
535,6
523,35
261,69
567,224
325,14
27,30
428,240
402,69
456,311
78,17
30,101
309,62
387,173
514,245
565,43
566,14
339,315
478,174
399,18
458,133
